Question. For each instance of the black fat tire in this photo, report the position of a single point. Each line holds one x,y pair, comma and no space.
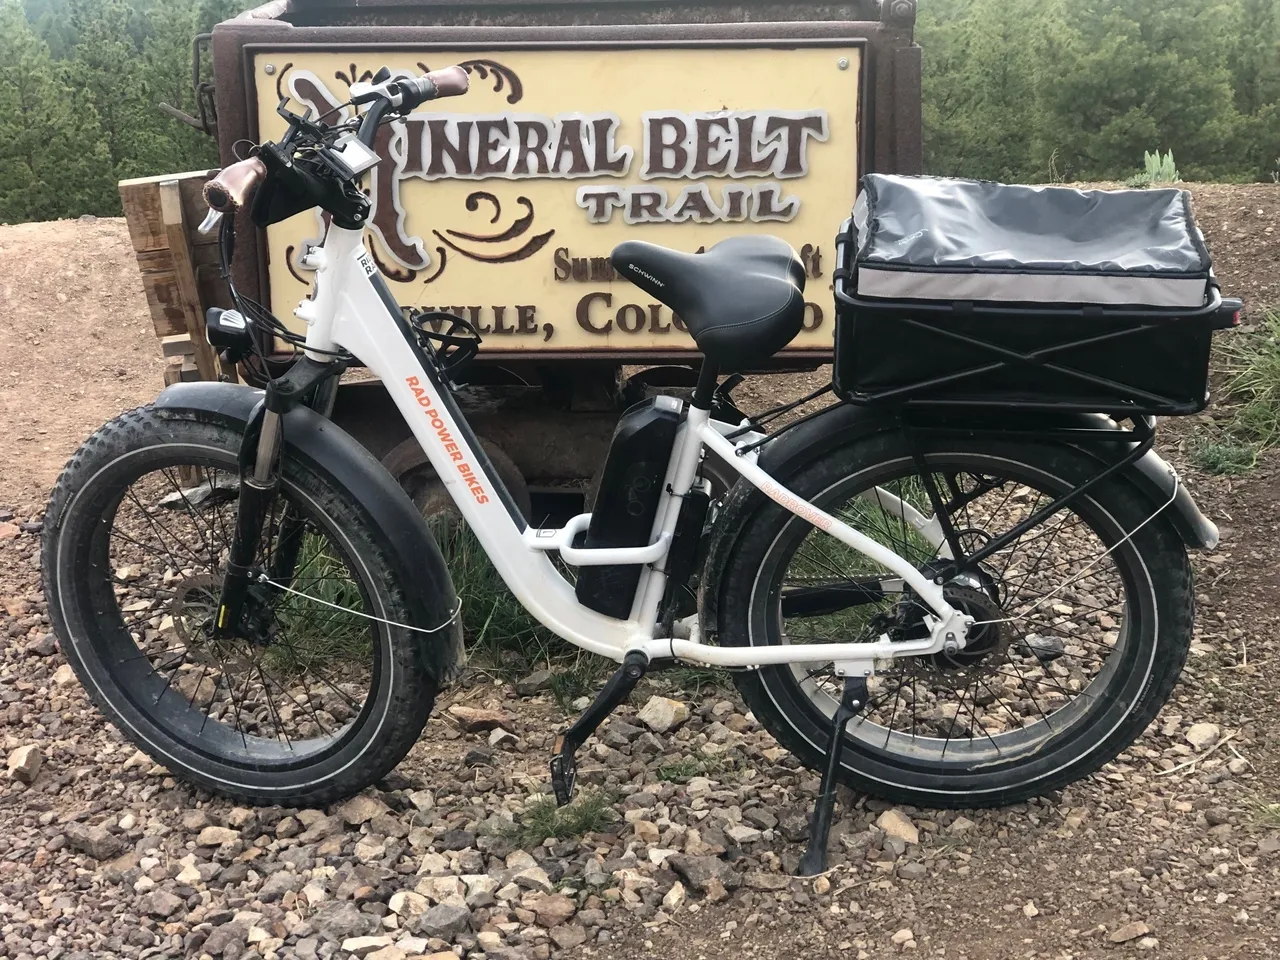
1155,554
96,475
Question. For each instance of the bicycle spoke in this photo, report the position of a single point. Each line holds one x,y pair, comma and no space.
1040,661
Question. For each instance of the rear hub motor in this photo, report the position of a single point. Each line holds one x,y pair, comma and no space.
988,637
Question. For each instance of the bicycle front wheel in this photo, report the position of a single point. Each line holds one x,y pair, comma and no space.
317,694
1082,630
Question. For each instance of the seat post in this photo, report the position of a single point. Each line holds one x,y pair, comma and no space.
705,391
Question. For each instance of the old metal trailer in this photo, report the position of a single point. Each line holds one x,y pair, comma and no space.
588,123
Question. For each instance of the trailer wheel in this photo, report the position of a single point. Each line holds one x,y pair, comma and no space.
413,471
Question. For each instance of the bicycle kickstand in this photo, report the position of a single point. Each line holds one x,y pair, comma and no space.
564,768
852,701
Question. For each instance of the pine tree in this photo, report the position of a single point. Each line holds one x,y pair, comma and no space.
51,20
53,161
1135,75
166,77
107,71
983,74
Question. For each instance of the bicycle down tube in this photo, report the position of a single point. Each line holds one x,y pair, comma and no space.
351,306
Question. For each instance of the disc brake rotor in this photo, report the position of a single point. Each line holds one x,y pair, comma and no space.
193,608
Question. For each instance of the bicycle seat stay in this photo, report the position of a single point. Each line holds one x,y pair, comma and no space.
742,300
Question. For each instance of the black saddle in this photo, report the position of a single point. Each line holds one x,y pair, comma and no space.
742,300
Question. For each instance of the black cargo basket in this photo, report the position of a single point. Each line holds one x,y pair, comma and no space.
1121,360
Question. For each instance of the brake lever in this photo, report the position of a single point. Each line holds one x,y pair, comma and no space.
210,221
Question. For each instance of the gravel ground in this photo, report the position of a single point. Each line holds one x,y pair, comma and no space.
1172,851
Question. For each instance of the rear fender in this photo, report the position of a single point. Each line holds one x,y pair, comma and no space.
796,449
333,452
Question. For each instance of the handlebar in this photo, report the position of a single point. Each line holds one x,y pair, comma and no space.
449,82
405,94
234,185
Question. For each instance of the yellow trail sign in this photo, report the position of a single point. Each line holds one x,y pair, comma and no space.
503,205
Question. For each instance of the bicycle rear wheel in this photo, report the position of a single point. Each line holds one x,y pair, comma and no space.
1081,632
316,696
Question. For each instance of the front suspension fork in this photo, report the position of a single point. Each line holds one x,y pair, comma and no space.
257,489
310,381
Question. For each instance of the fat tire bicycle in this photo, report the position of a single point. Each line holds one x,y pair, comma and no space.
954,608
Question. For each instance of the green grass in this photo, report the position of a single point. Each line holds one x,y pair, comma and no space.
582,676
541,820
501,635
696,679
503,638
686,768
1265,813
314,636
1225,459
1250,361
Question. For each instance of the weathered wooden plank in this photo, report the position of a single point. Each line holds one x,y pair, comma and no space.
160,287
177,345
141,201
167,316
184,272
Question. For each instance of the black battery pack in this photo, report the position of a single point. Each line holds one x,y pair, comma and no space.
627,501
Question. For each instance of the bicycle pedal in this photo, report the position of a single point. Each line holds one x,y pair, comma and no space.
564,775
563,768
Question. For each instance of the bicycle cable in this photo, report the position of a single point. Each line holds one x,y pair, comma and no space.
263,578
1177,485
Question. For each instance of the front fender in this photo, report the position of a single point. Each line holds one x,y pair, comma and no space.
334,453
795,449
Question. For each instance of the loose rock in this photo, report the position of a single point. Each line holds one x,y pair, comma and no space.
897,824
444,920
476,720
569,936
1130,931
554,910
216,836
362,946
698,872
662,715
534,683
1203,735
161,903
361,809
97,842
341,921
24,763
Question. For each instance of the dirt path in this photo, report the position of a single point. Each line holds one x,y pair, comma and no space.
1156,856
76,347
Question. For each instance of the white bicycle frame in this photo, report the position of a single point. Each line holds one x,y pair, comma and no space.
351,307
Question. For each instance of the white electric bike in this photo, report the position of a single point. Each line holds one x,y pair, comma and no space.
939,608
